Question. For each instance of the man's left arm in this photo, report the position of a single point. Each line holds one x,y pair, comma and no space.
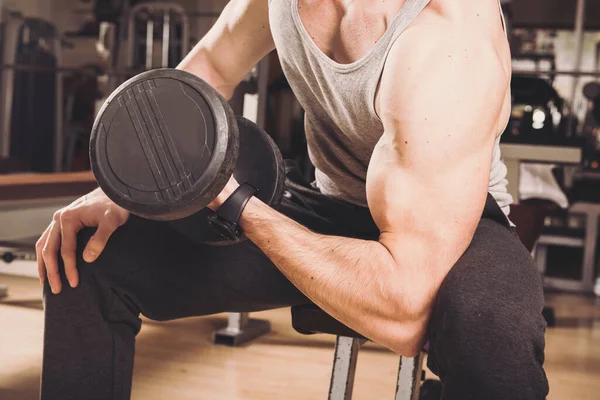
426,187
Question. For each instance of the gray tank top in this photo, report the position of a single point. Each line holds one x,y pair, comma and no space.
341,125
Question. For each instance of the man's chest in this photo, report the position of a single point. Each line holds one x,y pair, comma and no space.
344,30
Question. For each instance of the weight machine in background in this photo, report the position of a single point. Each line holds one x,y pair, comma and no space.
170,21
566,145
28,43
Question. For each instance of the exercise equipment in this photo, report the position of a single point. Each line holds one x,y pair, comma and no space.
592,92
157,20
536,111
31,110
591,126
165,143
309,319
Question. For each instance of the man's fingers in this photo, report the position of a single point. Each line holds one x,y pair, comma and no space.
39,246
70,225
50,253
97,242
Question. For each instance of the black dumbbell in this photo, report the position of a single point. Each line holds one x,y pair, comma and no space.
165,143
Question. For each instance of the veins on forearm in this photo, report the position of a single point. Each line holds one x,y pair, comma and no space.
348,277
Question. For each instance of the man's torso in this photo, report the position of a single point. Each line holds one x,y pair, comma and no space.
333,53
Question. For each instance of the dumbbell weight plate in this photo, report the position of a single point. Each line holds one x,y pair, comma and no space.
260,164
164,144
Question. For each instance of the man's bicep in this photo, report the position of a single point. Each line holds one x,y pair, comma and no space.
429,173
428,195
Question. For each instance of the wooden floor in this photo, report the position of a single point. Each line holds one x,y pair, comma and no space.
177,359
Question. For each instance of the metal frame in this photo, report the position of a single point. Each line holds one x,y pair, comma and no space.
589,244
515,154
575,73
344,368
263,83
166,9
59,139
409,378
255,103
11,29
241,329
579,32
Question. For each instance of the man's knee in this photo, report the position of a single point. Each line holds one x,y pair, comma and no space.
123,253
488,350
96,298
487,330
94,278
482,320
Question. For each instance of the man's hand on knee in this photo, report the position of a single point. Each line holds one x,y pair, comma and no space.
92,210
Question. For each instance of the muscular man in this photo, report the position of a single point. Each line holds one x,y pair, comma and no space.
402,237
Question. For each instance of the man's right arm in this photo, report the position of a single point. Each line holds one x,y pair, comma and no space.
240,38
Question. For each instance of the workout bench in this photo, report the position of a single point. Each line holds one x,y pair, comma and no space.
309,319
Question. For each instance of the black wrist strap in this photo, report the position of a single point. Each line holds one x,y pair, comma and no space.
225,220
231,210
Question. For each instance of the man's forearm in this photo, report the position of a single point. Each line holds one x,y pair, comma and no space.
356,281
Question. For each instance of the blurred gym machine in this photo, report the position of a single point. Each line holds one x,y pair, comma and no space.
578,228
537,112
591,124
152,35
166,21
546,129
539,133
31,107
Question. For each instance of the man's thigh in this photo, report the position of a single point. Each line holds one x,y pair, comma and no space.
166,276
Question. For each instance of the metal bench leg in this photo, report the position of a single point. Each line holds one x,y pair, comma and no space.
241,329
344,367
409,378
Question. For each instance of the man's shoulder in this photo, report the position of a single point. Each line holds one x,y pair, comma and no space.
445,29
481,16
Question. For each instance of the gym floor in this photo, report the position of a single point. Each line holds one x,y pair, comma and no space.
177,359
